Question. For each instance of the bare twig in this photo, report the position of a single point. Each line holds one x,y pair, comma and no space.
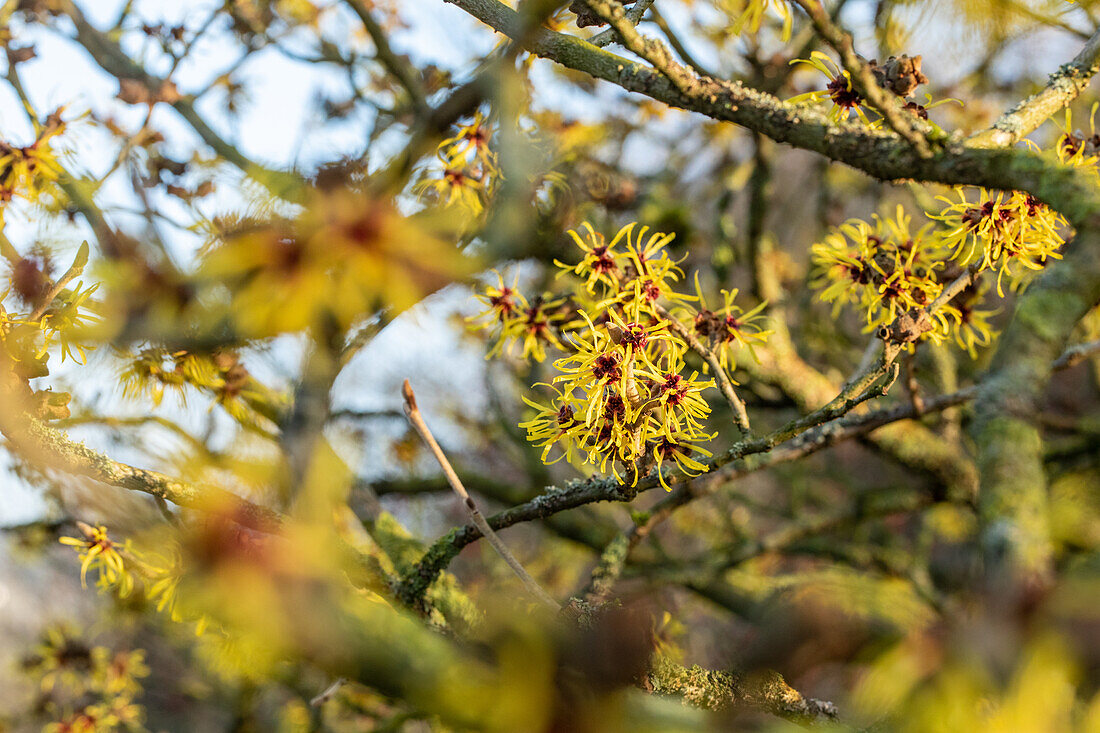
678,45
1076,354
398,66
417,421
634,15
328,693
725,386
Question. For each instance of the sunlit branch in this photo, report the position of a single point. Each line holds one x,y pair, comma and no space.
634,15
1063,87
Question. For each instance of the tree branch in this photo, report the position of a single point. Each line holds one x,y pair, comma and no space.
634,15
721,690
1063,87
54,449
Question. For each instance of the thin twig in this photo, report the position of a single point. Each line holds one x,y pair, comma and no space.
887,104
328,693
725,386
634,15
417,421
910,326
678,45
396,65
1076,354
1064,86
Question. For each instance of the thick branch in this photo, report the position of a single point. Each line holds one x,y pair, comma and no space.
878,153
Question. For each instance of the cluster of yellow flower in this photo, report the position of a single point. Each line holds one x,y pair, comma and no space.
887,268
1077,149
117,564
1002,232
468,170
884,267
26,171
347,255
220,375
623,394
86,688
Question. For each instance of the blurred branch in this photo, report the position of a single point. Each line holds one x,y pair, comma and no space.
1074,355
677,45
51,447
396,65
634,15
112,59
134,421
721,690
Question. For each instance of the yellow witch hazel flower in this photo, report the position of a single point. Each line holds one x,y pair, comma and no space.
26,170
1074,147
98,552
884,267
623,398
963,320
347,254
471,146
1012,233
535,324
469,171
727,328
553,423
897,75
454,186
839,90
62,321
598,266
888,269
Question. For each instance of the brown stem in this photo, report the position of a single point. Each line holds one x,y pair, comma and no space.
725,386
417,421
